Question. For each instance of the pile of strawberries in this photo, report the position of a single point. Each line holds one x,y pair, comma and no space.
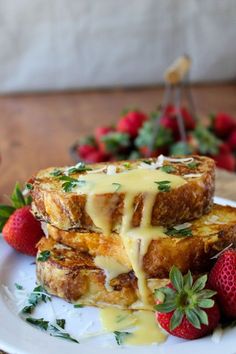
131,138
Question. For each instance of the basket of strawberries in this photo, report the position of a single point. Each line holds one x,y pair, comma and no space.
130,138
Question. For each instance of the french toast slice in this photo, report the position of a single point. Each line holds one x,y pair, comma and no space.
73,276
208,235
64,205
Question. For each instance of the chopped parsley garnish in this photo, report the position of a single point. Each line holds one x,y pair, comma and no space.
44,256
78,306
163,186
39,322
61,323
70,183
187,232
117,186
168,169
37,296
80,167
53,330
147,162
120,336
29,186
127,164
193,164
56,172
18,286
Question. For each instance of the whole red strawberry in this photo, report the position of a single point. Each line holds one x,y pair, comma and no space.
232,140
100,133
96,156
85,150
131,123
171,123
224,124
185,308
222,278
225,161
20,229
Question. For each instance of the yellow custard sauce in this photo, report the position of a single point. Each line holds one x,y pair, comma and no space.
140,325
136,241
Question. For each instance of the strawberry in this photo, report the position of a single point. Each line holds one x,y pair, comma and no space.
131,123
232,140
222,278
19,227
225,161
223,124
170,122
185,308
146,152
85,150
189,122
96,156
100,133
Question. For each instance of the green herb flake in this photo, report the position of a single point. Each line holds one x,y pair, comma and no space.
187,232
38,322
117,186
192,164
56,332
38,295
120,336
127,164
18,286
148,162
168,169
163,186
78,306
79,167
70,183
56,172
44,256
29,186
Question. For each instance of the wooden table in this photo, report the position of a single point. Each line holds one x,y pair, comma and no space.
37,130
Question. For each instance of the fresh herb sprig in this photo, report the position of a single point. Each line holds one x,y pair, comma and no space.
193,164
70,183
53,330
120,336
187,232
168,169
79,167
56,172
117,186
163,186
78,306
38,295
44,256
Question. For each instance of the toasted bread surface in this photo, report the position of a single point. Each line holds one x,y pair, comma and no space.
210,234
73,276
67,210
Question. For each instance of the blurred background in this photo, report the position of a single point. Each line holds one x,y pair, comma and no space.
70,67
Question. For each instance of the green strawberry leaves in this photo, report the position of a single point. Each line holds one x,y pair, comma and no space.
18,200
186,298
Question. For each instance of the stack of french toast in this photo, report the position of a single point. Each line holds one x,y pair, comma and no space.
113,231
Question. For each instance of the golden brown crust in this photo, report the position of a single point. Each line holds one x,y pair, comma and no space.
73,276
68,210
194,253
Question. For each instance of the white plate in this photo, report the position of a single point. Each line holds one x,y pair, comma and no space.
18,337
